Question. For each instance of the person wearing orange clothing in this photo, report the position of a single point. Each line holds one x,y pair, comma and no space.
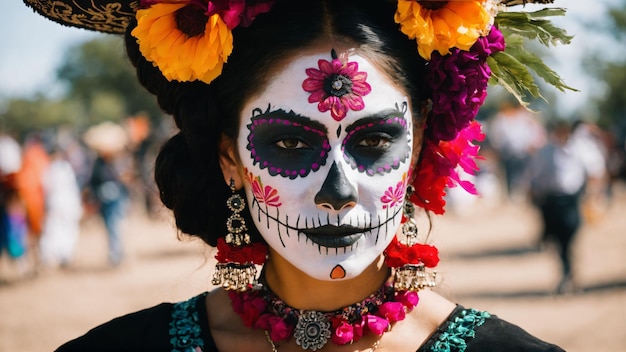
28,182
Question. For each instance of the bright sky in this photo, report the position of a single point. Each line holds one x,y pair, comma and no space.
32,47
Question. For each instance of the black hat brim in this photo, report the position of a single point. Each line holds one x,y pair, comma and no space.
107,16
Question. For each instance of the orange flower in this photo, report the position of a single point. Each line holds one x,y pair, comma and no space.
442,25
187,54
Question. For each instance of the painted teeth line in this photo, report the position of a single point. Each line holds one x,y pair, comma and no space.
367,222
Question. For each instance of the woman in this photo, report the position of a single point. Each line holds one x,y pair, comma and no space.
305,153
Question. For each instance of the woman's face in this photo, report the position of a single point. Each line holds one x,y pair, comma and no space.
326,151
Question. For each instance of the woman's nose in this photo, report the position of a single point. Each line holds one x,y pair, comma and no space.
337,192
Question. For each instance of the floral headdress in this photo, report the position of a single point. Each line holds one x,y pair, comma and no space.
463,41
468,44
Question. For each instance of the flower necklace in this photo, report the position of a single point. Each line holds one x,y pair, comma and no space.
262,309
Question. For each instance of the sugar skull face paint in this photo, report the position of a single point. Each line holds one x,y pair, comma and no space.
326,193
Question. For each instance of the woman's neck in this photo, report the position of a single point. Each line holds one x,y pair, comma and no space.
301,291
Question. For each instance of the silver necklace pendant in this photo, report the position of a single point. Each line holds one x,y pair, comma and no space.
312,331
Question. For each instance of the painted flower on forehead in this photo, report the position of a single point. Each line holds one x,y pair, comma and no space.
337,86
443,25
190,40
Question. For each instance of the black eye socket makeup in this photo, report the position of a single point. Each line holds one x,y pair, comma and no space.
377,144
287,144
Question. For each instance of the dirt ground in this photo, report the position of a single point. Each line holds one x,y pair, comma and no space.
489,261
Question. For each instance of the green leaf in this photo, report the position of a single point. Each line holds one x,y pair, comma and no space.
534,26
512,68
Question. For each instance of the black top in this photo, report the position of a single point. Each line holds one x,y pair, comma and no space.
184,327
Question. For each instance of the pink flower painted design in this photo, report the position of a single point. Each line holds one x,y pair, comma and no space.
263,194
337,86
394,196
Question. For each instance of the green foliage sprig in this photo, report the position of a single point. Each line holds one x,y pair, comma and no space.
512,67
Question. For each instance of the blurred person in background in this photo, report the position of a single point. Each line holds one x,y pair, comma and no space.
12,212
561,173
28,181
107,184
515,134
63,210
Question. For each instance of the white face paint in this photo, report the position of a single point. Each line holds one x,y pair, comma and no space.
326,188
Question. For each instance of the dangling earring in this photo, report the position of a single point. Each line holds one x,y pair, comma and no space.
410,259
237,256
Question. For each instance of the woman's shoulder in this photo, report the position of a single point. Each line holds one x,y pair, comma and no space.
164,327
472,330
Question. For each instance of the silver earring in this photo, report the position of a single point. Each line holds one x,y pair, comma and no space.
235,224
412,277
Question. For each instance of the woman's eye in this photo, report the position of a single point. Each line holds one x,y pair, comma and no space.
374,142
291,143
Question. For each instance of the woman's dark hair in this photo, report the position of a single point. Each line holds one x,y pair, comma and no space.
187,171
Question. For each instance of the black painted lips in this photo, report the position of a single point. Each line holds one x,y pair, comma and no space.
334,236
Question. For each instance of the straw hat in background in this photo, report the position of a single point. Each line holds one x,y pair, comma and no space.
106,137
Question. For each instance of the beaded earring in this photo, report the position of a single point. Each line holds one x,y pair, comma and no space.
237,256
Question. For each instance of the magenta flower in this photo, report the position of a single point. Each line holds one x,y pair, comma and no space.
232,12
343,334
376,324
275,325
337,87
458,82
409,299
235,12
392,311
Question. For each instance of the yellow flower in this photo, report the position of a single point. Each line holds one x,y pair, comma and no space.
442,25
179,54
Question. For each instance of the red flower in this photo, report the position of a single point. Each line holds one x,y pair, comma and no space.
398,254
438,167
337,86
254,253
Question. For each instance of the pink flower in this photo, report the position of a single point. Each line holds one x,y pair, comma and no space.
375,324
337,86
409,299
343,334
392,311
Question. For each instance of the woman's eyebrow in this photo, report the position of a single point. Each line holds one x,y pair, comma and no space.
375,117
291,116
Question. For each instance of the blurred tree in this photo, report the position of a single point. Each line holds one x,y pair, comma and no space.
98,74
21,115
100,84
612,71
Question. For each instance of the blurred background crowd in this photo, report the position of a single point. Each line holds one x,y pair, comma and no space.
52,179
